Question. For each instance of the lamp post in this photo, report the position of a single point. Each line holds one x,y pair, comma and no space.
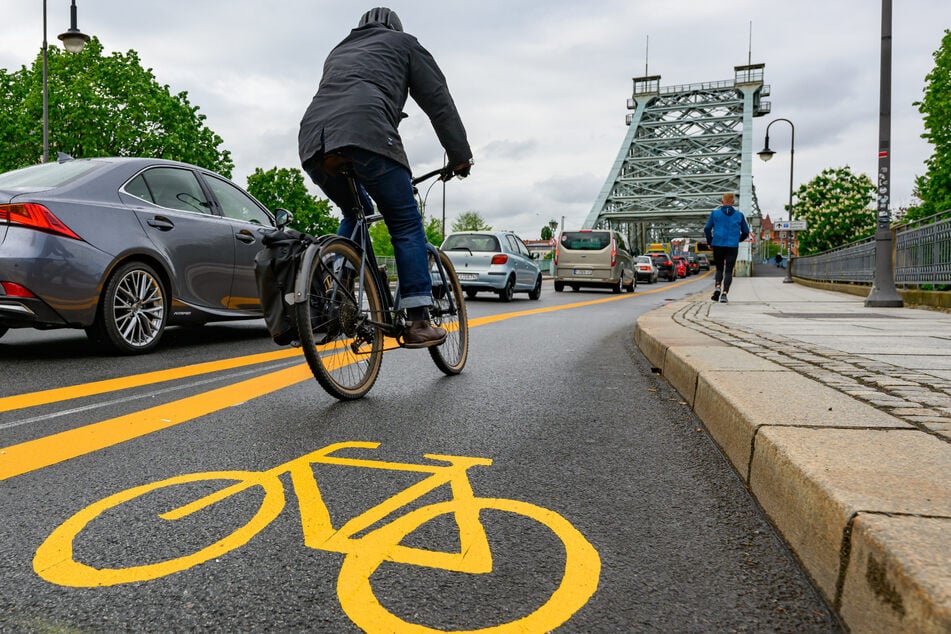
73,41
883,293
767,154
553,225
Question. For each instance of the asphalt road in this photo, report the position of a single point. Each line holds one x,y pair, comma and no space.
585,496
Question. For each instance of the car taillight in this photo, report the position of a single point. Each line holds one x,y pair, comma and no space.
500,258
613,252
36,217
555,257
15,290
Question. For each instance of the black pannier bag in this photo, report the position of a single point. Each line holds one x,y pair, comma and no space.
275,270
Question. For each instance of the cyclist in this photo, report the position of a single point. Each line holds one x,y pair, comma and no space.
353,119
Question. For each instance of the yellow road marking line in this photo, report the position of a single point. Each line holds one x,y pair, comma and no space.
32,399
49,450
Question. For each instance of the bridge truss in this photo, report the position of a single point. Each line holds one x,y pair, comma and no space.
685,146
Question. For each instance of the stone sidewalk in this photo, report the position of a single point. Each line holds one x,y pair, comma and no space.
838,419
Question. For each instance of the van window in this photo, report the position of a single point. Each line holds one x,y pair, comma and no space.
585,240
620,242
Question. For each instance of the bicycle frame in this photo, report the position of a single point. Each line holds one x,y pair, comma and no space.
391,321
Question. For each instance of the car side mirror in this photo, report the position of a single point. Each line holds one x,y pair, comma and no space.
283,218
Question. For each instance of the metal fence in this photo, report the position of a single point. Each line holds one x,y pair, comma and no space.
922,255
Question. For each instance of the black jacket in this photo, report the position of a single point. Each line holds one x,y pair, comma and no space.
361,95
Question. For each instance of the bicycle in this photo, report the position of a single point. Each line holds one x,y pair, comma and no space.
368,540
345,310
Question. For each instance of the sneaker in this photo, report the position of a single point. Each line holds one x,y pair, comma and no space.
422,334
723,299
716,295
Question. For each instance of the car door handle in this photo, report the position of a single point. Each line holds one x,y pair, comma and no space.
161,222
245,236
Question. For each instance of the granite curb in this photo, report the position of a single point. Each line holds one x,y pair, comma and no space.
859,491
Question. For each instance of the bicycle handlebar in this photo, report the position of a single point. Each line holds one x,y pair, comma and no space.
444,173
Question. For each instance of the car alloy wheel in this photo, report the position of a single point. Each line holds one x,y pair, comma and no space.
508,291
536,293
133,310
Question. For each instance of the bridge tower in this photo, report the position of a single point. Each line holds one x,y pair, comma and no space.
685,146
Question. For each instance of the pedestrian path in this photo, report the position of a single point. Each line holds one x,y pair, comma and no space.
838,418
898,360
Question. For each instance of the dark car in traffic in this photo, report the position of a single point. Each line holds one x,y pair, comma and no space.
125,247
693,265
665,266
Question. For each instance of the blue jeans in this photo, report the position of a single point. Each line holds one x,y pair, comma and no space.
390,185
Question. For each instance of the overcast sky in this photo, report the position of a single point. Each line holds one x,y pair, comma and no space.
541,85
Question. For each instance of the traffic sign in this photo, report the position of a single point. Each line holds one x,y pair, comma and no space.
789,225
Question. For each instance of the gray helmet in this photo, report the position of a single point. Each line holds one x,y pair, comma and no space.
384,16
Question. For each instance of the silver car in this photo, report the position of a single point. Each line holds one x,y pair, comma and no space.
493,261
124,247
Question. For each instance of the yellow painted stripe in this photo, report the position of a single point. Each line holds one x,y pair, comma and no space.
49,450
20,401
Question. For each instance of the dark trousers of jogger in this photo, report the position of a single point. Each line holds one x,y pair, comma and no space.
724,258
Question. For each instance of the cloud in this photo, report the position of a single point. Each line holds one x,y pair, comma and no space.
542,87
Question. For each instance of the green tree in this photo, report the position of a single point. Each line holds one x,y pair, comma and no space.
934,188
101,106
470,221
836,206
433,227
546,233
380,237
285,188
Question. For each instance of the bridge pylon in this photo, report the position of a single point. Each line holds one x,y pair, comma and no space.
685,146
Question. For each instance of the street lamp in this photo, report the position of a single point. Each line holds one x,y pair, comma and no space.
73,41
883,293
553,225
767,154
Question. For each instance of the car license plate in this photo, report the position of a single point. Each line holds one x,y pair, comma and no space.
468,277
582,272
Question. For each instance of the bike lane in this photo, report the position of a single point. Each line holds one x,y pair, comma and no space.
309,581
49,450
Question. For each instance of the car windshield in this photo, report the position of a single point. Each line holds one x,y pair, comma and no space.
472,242
644,259
585,240
45,175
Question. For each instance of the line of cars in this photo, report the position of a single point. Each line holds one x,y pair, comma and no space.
125,247
677,266
661,265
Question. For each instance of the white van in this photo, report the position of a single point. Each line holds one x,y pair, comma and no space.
594,258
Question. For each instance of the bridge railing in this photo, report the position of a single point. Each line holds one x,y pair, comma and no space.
922,255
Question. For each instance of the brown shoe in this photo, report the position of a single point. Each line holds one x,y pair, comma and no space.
422,334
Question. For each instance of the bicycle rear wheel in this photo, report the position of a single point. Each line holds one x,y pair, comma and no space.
343,348
451,355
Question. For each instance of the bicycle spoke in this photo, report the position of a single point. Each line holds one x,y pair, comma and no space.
343,347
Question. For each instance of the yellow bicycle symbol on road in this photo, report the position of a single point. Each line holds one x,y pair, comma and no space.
368,540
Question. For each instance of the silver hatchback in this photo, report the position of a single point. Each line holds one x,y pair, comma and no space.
493,261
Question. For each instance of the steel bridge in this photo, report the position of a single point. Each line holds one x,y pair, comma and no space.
685,146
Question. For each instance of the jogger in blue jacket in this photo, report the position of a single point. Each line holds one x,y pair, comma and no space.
726,228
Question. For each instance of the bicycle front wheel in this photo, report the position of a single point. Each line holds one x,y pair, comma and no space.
449,311
344,349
